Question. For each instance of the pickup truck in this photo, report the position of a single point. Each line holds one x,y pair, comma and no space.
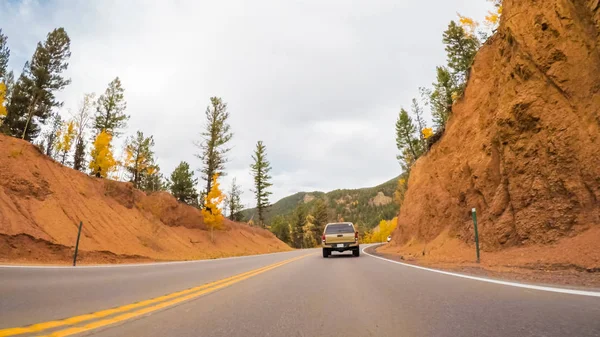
340,237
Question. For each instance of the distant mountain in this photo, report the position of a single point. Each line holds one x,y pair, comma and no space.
363,206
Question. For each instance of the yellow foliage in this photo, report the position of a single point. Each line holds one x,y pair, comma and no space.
381,232
102,162
213,217
141,163
65,136
454,96
427,132
2,99
468,24
493,17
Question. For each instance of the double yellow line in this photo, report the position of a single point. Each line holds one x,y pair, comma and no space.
98,319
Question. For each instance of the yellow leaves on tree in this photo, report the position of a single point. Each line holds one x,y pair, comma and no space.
2,99
212,214
468,24
493,18
427,132
381,232
102,162
65,136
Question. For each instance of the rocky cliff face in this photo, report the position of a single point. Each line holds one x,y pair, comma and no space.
523,143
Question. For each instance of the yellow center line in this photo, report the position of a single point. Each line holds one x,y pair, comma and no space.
153,305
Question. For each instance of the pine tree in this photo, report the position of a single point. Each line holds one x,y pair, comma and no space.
213,145
110,109
182,184
211,213
153,180
139,157
320,218
65,136
32,98
298,220
281,228
421,124
79,156
102,162
4,55
262,180
460,49
442,97
406,141
234,202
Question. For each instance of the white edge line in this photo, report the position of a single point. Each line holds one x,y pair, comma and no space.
483,279
137,264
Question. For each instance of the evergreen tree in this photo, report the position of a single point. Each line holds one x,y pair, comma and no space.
153,180
405,136
79,156
4,55
182,184
32,98
281,228
110,109
421,124
298,220
139,157
234,202
320,218
262,180
441,98
460,49
215,137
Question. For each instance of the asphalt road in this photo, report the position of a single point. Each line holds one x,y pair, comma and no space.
309,296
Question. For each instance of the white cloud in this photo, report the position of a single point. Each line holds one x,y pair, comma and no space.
320,82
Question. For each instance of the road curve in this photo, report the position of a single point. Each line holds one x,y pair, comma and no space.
286,294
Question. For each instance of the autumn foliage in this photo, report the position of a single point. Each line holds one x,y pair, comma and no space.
65,137
102,161
212,213
381,232
2,99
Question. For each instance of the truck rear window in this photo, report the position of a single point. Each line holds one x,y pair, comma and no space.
339,228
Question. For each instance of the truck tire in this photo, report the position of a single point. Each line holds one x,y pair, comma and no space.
325,253
356,252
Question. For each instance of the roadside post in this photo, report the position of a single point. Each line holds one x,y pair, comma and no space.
474,213
77,244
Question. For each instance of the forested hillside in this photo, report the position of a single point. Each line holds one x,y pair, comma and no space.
298,218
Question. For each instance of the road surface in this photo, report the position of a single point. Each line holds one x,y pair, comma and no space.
286,294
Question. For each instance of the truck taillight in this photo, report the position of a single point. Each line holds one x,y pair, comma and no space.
323,238
355,236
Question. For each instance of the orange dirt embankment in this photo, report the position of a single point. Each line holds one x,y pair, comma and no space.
522,146
42,202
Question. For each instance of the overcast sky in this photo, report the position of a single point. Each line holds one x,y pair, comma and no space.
319,82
